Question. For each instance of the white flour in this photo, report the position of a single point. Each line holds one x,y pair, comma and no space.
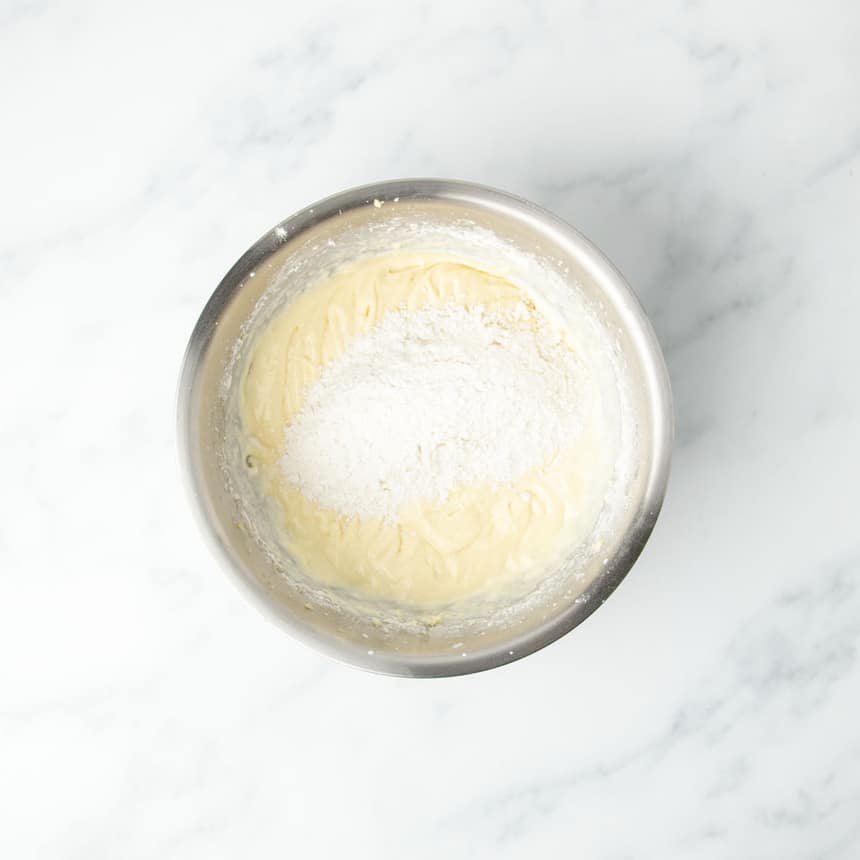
430,400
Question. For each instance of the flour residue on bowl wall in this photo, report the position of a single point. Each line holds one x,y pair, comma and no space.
548,307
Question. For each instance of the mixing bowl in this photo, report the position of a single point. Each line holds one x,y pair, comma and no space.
424,214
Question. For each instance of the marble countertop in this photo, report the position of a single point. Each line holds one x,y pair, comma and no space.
711,709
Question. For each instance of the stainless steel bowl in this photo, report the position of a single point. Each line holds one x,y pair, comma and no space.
402,648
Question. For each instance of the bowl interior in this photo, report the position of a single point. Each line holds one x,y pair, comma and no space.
509,236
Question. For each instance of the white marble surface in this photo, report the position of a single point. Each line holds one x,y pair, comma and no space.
710,710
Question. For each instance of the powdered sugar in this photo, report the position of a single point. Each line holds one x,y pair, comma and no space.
430,400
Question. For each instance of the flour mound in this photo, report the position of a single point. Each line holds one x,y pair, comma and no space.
431,400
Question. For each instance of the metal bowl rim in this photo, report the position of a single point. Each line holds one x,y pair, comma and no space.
659,395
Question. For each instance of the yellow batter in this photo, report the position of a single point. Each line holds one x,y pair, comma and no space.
482,536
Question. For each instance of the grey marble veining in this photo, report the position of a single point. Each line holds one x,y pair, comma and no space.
710,708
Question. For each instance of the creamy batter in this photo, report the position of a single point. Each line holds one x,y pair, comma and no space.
483,535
